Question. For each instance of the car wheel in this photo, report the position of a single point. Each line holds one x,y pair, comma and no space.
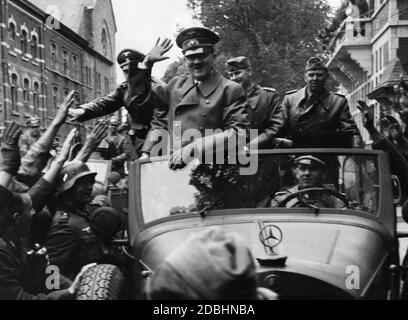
103,282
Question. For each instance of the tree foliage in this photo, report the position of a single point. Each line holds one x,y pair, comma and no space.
277,36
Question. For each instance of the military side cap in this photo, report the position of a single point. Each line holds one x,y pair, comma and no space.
315,63
33,122
238,63
310,160
129,55
196,40
71,173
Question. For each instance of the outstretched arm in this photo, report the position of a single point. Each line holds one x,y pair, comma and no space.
10,153
92,142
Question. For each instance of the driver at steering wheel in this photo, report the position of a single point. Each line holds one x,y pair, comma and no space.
309,172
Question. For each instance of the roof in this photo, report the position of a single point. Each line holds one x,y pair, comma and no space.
71,12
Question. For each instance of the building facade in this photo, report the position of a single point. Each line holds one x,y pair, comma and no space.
369,52
50,47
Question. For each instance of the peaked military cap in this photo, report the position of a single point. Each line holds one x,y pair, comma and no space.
310,160
238,63
129,55
196,40
315,63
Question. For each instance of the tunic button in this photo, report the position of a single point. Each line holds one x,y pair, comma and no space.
207,101
204,114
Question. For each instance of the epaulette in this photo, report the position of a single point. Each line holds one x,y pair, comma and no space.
63,217
291,91
269,89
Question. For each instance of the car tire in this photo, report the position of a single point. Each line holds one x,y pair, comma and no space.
102,282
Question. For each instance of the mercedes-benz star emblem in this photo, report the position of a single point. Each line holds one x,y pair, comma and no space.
271,236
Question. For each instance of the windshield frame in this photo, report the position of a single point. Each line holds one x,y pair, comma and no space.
135,204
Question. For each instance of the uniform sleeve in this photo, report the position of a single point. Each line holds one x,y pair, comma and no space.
34,160
11,286
285,130
346,122
274,122
61,241
103,105
40,193
235,113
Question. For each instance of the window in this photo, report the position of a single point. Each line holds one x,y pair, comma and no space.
26,90
66,92
64,62
55,92
376,61
107,85
75,67
34,47
386,53
53,56
380,60
104,43
36,96
24,39
14,92
98,82
12,31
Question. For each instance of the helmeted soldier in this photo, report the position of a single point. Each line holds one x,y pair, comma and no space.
310,190
264,109
316,117
71,242
203,100
28,138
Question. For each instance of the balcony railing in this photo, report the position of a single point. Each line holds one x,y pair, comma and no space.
352,32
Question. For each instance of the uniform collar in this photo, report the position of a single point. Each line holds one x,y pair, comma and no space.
206,87
303,95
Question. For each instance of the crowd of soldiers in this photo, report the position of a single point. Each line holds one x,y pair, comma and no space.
52,214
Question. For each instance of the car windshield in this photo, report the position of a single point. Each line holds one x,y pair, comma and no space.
280,181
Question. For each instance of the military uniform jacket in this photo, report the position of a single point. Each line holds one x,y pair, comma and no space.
216,103
265,114
122,96
328,115
71,242
16,277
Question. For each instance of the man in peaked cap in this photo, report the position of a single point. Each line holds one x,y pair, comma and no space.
29,137
314,116
265,112
122,96
309,171
203,100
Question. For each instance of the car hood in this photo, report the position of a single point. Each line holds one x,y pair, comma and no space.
338,252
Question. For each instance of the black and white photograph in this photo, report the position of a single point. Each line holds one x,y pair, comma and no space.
221,152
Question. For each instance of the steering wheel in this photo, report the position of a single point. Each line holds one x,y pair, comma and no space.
331,192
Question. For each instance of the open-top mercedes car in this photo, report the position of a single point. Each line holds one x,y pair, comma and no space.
330,237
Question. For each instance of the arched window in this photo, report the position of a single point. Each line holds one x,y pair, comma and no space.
26,90
104,42
24,39
12,31
34,46
36,96
14,92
